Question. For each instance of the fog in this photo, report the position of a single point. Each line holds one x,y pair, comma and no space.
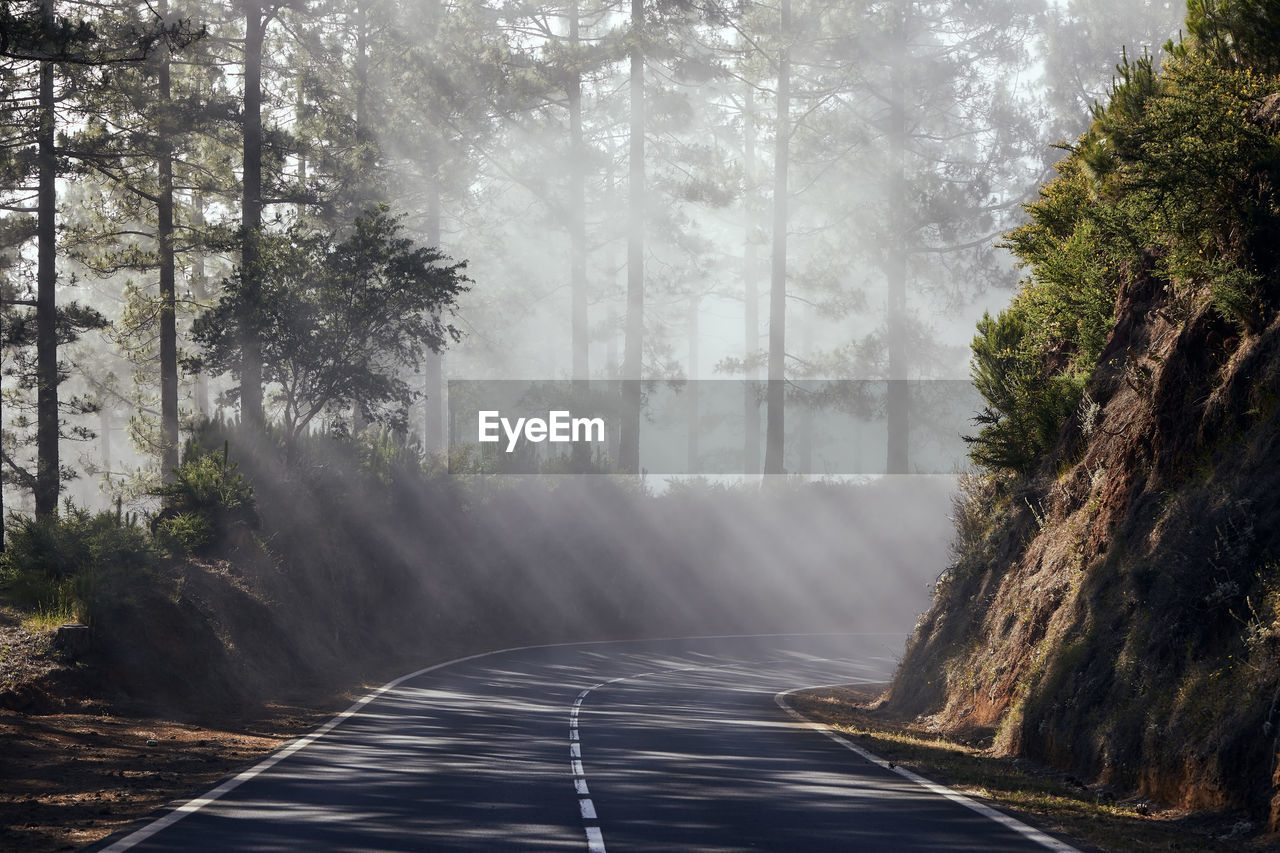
788,192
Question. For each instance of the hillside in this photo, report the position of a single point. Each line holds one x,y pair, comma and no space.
265,593
1113,605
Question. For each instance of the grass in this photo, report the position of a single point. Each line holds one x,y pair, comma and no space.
40,605
1088,816
48,617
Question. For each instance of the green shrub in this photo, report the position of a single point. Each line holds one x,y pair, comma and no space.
53,548
73,543
205,501
388,456
1176,178
1237,32
73,561
1027,398
1237,295
185,533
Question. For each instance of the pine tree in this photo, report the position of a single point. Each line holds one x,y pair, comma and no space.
41,42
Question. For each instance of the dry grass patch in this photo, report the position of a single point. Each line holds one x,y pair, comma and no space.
1089,816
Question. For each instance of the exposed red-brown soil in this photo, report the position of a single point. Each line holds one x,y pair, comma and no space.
83,754
1117,613
69,779
1091,817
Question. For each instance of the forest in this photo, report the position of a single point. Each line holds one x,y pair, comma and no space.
1110,606
255,256
247,246
305,216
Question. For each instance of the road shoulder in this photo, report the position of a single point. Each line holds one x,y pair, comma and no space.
1090,817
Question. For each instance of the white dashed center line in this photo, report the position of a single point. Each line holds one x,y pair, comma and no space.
595,838
591,823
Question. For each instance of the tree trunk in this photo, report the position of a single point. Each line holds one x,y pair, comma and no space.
435,434
751,292
776,400
897,404
361,194
104,428
365,192
200,290
433,362
299,113
251,218
804,439
168,297
48,479
633,345
897,400
691,400
580,335
613,372
73,640
433,391
1,423
577,207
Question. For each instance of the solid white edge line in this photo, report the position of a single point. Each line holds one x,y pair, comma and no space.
575,748
197,803
222,789
579,778
1029,832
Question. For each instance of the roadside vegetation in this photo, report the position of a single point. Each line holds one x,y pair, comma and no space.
332,549
1112,607
1049,799
268,578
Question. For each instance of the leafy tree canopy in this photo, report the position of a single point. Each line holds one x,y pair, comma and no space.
1176,177
339,321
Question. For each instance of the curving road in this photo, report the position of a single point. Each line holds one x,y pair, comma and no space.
657,745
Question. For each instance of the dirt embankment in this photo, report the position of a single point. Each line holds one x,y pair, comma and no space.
71,778
1090,817
194,674
1118,614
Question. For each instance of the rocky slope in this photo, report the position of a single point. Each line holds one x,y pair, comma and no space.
1117,613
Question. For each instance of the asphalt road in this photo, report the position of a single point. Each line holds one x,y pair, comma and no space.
661,745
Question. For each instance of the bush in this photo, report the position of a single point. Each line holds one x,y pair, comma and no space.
73,561
52,548
1176,178
185,533
1027,398
388,456
206,500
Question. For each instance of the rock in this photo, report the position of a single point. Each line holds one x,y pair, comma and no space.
1267,112
1239,829
72,640
13,700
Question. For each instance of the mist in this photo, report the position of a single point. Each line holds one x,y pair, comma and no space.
773,193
